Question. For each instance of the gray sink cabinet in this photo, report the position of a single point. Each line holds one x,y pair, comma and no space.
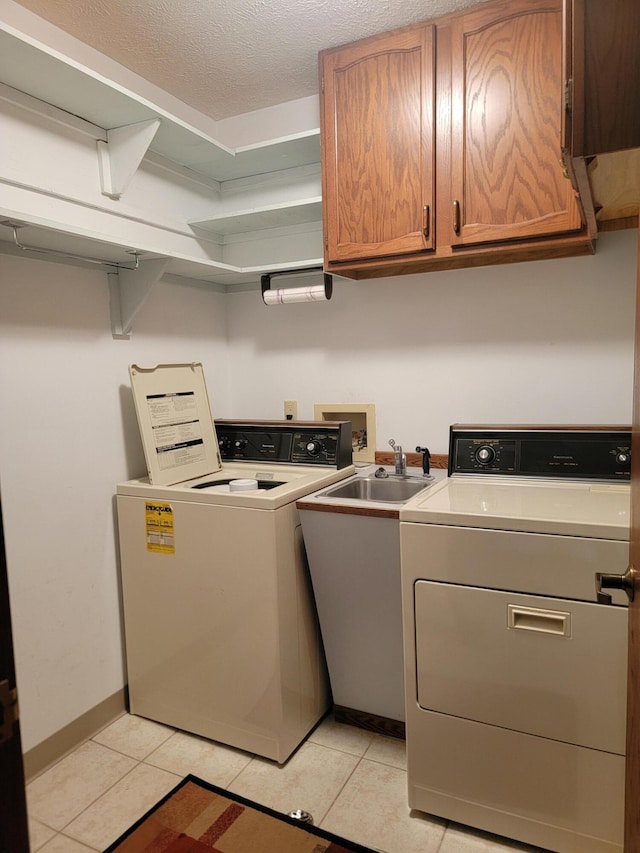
354,560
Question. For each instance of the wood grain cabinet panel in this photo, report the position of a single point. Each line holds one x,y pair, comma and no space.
507,182
379,146
603,67
601,133
441,144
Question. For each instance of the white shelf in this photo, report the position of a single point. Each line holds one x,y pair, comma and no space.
261,218
78,249
52,79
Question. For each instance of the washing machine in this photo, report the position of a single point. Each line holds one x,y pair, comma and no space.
515,659
221,630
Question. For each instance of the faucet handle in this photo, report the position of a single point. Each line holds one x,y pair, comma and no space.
425,459
392,443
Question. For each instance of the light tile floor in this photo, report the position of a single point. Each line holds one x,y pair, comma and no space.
352,781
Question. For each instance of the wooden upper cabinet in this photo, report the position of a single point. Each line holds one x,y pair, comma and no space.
507,181
378,145
441,144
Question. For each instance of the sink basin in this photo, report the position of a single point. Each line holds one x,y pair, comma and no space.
370,489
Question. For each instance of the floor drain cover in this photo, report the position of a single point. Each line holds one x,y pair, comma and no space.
301,815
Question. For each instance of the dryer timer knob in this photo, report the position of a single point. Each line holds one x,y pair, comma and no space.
622,458
485,454
314,447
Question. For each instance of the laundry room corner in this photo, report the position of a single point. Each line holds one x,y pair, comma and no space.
68,434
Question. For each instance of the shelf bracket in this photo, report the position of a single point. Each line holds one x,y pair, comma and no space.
120,156
128,291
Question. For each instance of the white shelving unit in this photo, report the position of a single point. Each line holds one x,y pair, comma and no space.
258,233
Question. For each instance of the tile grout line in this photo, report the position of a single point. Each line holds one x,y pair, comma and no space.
333,802
357,764
93,802
346,781
127,754
106,791
110,788
446,827
239,773
84,843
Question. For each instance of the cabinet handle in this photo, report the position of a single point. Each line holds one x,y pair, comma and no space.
426,221
456,216
543,621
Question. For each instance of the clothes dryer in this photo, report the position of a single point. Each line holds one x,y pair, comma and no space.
515,664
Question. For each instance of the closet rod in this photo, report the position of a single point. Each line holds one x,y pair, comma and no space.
15,225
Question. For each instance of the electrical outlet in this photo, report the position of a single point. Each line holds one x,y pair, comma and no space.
291,410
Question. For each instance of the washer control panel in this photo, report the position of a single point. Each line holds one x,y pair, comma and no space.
326,443
590,453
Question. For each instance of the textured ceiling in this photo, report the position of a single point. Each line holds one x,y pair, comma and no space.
227,57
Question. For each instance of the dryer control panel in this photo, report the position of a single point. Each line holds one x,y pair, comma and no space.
589,453
326,443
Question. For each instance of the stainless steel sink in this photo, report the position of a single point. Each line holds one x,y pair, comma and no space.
370,489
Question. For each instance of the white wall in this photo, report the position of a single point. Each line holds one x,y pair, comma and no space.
68,434
550,341
546,341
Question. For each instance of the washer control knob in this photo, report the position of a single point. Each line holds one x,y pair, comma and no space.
623,458
314,448
485,454
240,444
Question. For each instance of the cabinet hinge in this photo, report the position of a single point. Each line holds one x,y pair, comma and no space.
568,86
322,85
8,710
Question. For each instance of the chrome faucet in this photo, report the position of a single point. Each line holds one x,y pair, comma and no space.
400,459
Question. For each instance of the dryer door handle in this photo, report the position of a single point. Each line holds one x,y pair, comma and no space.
607,581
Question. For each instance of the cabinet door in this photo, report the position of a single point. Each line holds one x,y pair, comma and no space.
603,65
507,182
378,146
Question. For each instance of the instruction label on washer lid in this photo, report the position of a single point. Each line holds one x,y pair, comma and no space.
176,425
158,519
176,429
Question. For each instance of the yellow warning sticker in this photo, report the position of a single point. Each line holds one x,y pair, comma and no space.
159,527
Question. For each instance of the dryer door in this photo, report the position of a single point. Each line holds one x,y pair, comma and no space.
538,665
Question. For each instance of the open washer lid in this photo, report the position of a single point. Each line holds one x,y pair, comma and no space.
175,420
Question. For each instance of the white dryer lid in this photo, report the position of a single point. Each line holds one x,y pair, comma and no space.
176,425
